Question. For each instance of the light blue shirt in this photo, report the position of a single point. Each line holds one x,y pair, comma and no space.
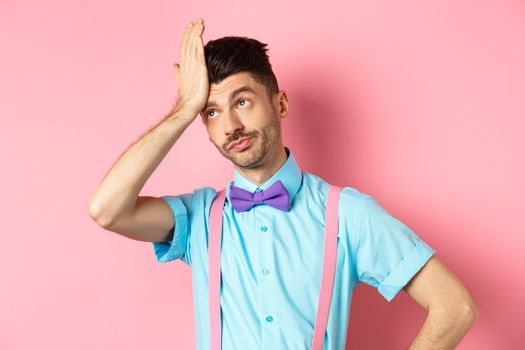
271,260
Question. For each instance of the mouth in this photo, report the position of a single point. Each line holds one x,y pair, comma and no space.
240,145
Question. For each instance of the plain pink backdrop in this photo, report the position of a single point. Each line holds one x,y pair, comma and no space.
419,105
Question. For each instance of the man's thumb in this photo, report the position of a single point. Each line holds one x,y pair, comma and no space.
176,68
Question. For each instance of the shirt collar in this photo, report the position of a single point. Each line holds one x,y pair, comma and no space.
289,173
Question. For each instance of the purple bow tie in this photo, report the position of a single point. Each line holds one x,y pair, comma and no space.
276,195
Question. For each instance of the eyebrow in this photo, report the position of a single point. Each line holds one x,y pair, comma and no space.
232,95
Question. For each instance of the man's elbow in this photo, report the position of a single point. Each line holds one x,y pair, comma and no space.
97,214
467,310
470,314
464,315
461,315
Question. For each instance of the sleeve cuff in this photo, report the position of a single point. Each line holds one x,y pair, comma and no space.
176,248
405,270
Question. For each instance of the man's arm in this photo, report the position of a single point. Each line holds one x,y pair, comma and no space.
451,310
115,204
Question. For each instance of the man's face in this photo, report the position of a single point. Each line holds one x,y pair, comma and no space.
239,108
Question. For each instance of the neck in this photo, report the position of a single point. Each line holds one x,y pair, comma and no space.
261,173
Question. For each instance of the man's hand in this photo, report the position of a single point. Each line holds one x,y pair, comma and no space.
192,73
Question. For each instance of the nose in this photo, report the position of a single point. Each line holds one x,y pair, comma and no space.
231,123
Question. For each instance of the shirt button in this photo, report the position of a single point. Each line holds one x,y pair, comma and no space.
269,318
264,228
266,271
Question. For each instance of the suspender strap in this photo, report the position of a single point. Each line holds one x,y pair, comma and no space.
214,269
327,280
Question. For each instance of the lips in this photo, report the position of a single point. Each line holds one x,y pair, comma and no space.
233,144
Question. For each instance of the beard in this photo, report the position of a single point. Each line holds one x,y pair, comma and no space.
262,142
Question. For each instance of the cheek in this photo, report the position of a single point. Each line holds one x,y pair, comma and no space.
210,129
215,136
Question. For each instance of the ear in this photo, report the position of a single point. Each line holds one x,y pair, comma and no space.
282,105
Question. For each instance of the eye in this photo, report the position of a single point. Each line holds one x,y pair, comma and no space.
243,100
209,113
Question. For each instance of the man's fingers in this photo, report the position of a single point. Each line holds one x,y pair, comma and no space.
191,44
184,44
198,48
192,82
184,38
200,28
200,51
194,35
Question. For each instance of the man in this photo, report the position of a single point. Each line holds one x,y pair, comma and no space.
271,256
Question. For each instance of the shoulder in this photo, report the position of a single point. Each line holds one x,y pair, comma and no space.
206,194
199,199
349,198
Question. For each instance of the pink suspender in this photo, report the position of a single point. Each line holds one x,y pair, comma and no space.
214,269
327,280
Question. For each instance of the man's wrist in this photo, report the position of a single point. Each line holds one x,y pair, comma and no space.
183,111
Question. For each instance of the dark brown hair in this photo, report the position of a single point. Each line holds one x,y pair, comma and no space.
233,54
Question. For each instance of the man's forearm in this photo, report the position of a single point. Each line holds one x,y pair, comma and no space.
443,330
120,187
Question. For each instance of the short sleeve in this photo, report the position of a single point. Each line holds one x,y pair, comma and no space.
387,252
178,247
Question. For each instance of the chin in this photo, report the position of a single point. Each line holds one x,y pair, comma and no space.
244,160
249,158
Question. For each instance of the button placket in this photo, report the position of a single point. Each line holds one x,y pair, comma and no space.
267,315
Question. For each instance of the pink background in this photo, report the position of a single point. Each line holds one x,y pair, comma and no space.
418,105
